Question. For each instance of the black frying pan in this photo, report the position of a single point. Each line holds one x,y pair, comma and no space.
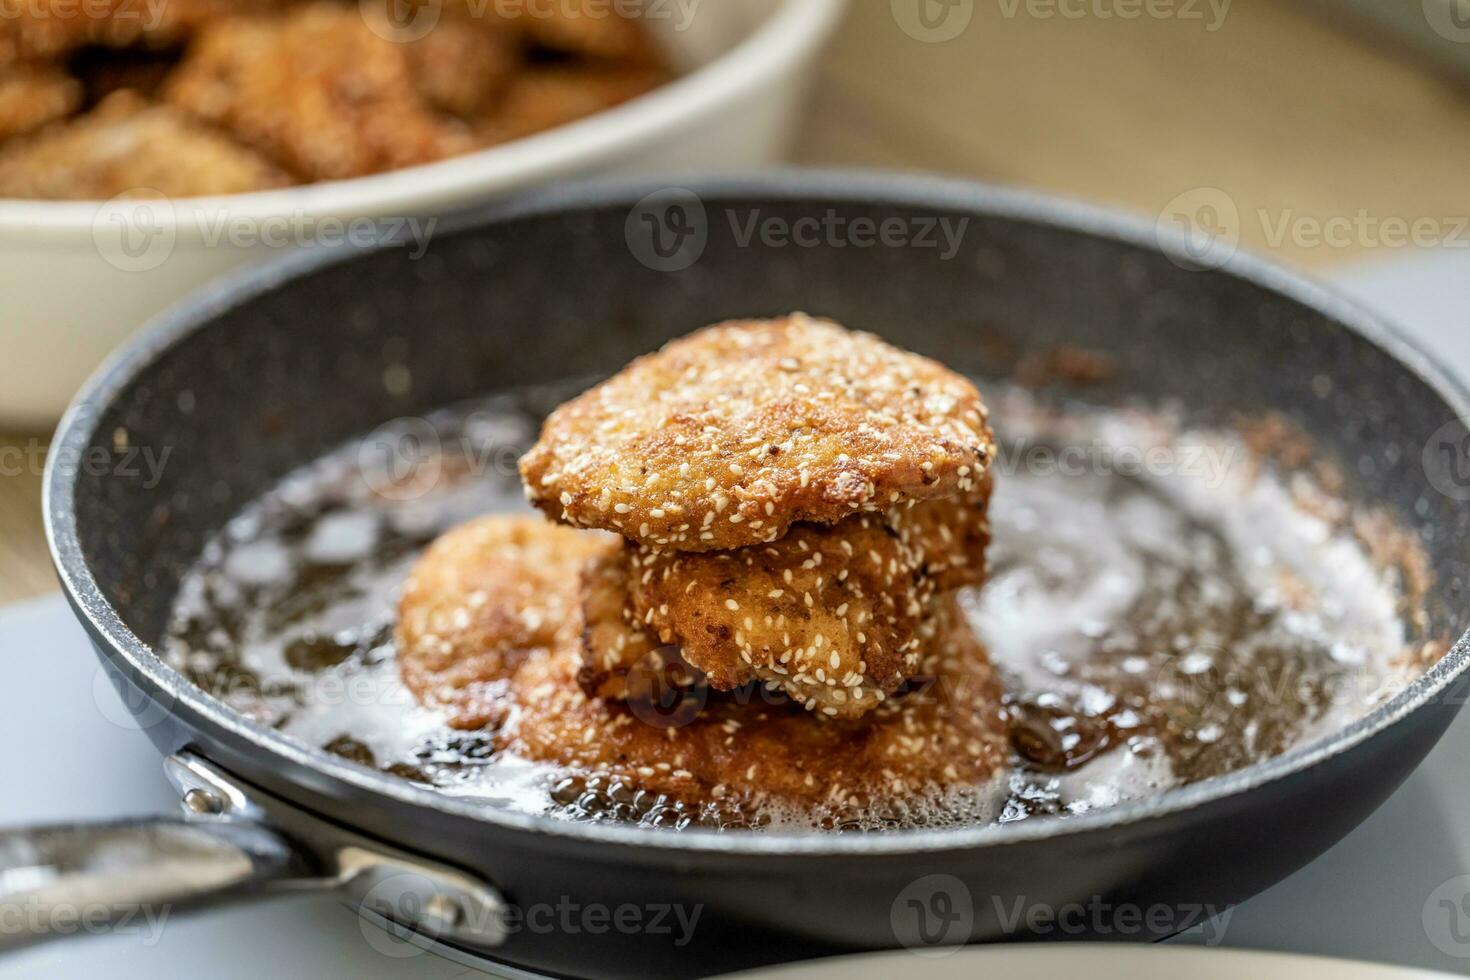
287,362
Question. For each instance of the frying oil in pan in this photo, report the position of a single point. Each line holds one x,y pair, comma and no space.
1162,606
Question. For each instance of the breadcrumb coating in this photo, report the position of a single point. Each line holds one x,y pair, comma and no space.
585,27
613,643
727,437
318,91
544,98
482,599
830,614
31,97
592,29
128,146
462,66
945,734
322,89
742,616
32,30
951,535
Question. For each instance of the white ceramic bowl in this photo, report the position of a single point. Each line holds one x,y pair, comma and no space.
78,277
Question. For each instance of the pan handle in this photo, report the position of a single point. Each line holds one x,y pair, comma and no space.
235,842
83,878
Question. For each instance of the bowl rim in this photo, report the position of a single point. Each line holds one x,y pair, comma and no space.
833,187
790,33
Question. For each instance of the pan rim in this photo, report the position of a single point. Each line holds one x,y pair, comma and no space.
199,710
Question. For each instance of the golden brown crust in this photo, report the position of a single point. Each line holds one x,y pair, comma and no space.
322,90
828,614
317,91
583,27
591,29
945,735
680,598
32,30
613,644
727,437
31,97
544,98
462,66
951,536
128,146
482,599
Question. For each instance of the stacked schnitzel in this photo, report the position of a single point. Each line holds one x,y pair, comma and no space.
766,520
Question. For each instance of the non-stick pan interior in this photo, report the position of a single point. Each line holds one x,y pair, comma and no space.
282,366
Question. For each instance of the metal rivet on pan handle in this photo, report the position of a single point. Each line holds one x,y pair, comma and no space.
379,881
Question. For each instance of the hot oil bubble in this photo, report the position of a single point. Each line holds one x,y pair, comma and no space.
1151,629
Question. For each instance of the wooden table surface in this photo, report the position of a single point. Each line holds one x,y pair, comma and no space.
1301,121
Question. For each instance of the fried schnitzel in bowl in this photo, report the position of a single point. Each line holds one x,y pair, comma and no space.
129,179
